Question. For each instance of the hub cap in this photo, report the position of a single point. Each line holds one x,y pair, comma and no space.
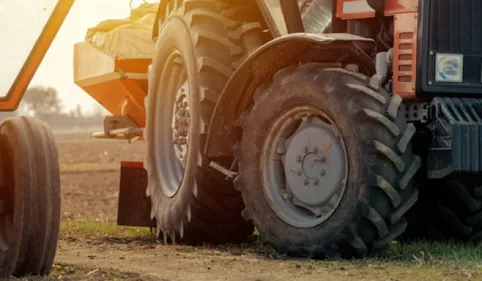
304,167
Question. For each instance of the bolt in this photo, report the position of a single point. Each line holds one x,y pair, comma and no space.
316,182
323,172
180,141
286,196
298,159
298,173
307,182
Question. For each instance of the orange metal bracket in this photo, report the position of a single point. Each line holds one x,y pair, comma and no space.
11,101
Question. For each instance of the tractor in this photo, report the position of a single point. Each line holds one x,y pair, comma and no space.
332,127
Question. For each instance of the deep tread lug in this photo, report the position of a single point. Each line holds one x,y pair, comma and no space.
403,209
357,243
410,173
406,138
374,217
367,91
459,190
452,219
389,190
392,127
375,82
388,153
393,107
395,231
205,63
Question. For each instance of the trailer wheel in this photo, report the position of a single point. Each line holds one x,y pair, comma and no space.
29,197
448,210
199,44
325,163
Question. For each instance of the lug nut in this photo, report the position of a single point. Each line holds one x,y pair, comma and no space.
307,182
316,182
315,149
280,149
286,196
298,173
323,172
298,159
306,149
323,159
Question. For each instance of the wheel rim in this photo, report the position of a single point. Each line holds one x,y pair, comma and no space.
171,139
304,167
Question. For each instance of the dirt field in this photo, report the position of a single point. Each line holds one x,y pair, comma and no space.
91,247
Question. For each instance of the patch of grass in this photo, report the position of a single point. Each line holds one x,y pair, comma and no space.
90,228
89,167
422,253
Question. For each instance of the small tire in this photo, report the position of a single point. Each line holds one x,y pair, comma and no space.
378,190
200,43
31,179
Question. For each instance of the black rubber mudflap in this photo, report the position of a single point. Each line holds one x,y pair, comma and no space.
134,207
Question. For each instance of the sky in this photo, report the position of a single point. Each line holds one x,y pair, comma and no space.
20,23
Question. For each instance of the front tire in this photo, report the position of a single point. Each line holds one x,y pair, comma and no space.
448,210
355,207
31,192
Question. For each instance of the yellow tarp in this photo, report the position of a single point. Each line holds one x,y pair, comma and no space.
129,38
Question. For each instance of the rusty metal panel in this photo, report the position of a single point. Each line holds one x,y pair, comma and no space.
393,7
134,207
405,56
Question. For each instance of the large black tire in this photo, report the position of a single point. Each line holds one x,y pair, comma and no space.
379,189
31,188
210,38
448,210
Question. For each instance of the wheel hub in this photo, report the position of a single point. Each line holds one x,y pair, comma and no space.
306,185
181,121
322,166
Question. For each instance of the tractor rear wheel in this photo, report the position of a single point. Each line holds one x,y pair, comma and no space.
200,42
448,210
325,163
29,197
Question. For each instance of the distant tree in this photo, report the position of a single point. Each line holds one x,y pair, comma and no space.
41,101
78,111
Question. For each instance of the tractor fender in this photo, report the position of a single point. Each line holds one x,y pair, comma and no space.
261,65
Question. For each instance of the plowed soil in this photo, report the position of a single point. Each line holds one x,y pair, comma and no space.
91,247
